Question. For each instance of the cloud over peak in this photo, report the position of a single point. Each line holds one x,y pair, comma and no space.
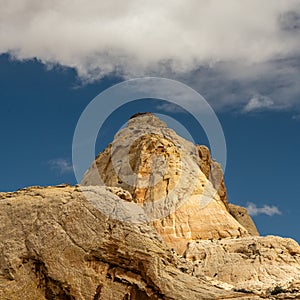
135,36
169,38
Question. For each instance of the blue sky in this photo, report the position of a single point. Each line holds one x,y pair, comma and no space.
48,77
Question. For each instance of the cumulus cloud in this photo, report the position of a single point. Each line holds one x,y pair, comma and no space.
258,102
103,36
169,38
253,210
231,85
61,165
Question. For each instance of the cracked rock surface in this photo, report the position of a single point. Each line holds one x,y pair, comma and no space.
257,264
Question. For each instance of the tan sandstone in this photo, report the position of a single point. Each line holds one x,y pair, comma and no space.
213,172
242,216
55,244
174,182
257,264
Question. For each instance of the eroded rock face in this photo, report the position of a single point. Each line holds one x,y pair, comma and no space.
242,216
213,172
118,191
55,244
257,264
174,181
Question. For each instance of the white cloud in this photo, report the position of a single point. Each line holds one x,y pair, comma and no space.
61,165
170,108
136,37
253,210
258,102
245,42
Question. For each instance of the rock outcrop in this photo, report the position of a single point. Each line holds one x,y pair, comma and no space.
242,216
257,264
171,179
55,244
151,220
213,172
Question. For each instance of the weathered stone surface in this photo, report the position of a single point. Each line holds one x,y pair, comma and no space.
257,264
55,244
118,191
242,216
162,171
213,172
190,222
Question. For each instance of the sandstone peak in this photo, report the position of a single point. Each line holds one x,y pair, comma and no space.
147,118
179,186
141,114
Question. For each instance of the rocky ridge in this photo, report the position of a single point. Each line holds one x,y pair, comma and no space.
57,245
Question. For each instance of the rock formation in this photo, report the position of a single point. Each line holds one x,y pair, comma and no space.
253,263
241,215
213,172
151,220
55,244
175,175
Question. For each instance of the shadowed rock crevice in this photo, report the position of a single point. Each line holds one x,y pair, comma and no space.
136,279
98,292
52,289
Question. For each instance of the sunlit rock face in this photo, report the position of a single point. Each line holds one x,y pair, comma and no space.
252,263
213,171
111,238
55,244
177,183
